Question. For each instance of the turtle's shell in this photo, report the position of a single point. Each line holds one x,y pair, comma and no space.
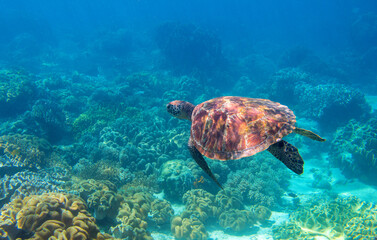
234,127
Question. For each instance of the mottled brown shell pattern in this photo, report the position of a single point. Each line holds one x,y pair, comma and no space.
235,127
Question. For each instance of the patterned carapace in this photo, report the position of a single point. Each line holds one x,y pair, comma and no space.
227,128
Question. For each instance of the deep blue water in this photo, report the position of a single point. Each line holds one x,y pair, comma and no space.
83,93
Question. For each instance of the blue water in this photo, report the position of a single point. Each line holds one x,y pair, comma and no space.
84,88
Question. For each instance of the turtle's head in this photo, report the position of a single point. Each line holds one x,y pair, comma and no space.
180,109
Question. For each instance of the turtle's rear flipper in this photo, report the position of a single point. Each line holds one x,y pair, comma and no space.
308,134
289,155
199,159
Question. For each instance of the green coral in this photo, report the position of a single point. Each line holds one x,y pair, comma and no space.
333,219
93,120
15,89
354,149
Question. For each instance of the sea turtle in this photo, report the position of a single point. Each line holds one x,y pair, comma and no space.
229,127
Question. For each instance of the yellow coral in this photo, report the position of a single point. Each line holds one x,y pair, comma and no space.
49,216
188,228
25,150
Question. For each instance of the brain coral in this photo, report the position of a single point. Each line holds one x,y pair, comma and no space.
188,228
354,149
48,216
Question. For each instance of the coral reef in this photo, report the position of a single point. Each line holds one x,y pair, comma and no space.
27,183
132,215
59,216
175,178
203,207
25,150
104,204
354,150
318,98
51,118
333,219
16,92
188,228
161,212
262,181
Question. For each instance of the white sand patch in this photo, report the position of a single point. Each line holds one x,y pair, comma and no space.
372,101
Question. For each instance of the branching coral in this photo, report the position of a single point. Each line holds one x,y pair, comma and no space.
56,216
354,149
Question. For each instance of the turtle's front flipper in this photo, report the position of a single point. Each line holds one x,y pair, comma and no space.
199,159
288,154
308,134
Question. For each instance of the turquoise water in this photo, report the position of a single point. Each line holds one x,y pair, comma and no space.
88,149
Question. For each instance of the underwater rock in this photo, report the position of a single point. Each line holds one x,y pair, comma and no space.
48,215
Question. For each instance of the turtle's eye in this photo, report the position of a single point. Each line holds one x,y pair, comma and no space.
174,110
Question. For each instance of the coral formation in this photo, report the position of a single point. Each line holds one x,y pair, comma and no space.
161,212
16,92
354,150
25,150
104,204
203,207
27,183
188,228
327,102
175,178
51,118
46,216
132,215
333,219
262,181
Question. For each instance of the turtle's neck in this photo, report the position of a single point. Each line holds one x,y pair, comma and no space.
188,108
